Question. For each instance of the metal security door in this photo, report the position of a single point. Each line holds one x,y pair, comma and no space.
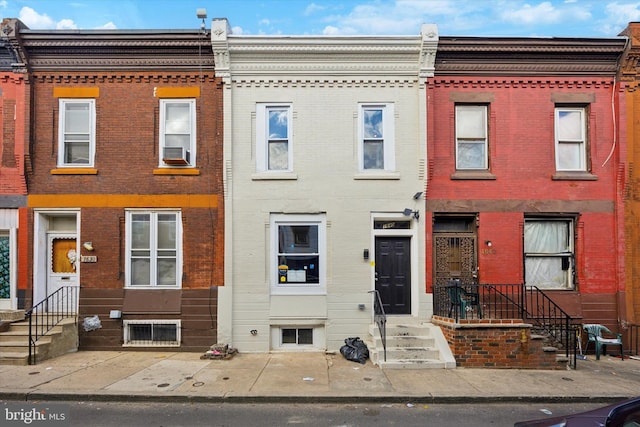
393,273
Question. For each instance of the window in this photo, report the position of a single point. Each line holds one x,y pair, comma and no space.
273,138
376,130
471,137
299,248
152,333
153,249
549,253
570,141
76,133
177,132
297,336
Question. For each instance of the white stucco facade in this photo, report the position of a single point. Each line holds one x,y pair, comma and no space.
316,180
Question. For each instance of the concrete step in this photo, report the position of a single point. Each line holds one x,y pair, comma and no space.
411,344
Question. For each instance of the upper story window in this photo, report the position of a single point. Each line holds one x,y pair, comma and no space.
77,137
571,139
154,249
274,150
549,253
471,137
178,132
299,253
376,137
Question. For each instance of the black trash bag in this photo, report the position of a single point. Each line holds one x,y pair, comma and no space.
355,349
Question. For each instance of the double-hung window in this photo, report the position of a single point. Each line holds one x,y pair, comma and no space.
177,132
154,246
471,137
274,150
571,139
549,253
76,132
376,137
299,253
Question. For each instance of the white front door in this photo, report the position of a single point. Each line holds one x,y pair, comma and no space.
63,259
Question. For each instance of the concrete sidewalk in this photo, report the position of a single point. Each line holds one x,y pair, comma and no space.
304,378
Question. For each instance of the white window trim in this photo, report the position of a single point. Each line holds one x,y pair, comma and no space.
299,288
128,343
318,331
179,244
582,141
571,284
192,139
262,139
61,131
485,165
388,129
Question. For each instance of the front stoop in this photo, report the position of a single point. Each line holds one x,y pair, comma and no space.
14,343
411,344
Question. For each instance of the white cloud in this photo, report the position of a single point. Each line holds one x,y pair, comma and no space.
619,15
66,24
237,30
528,15
108,26
34,20
3,4
313,8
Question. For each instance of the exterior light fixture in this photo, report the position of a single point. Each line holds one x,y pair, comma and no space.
409,212
488,243
88,246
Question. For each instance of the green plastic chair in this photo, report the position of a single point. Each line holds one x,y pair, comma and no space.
462,300
595,333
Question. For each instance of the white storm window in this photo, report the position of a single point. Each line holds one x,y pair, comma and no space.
177,132
274,150
549,253
299,253
471,137
76,133
151,333
376,136
154,246
570,144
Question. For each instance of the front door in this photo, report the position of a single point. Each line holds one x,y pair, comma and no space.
63,260
454,249
393,273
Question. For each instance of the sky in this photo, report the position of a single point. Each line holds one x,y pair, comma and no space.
506,18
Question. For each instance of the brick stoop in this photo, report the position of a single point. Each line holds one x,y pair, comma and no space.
14,343
411,344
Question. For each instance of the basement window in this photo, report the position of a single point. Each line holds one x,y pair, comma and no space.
152,333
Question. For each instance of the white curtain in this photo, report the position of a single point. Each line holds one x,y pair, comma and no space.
546,243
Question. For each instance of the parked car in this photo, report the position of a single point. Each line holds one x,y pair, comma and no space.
621,414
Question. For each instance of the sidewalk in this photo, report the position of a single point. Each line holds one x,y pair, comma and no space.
304,378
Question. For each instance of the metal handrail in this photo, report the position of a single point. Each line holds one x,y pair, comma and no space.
515,301
42,318
634,338
380,318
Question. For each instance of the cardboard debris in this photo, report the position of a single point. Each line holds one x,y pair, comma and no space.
219,352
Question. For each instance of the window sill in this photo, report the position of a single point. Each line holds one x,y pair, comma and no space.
378,175
574,176
473,175
74,171
260,176
176,171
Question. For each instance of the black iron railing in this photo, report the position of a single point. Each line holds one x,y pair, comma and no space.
48,313
508,301
380,318
634,338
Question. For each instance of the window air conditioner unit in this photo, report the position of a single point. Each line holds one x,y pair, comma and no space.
176,156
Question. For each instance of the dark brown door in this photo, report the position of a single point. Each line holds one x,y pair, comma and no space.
393,273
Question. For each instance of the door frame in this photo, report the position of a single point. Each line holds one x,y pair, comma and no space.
412,233
41,234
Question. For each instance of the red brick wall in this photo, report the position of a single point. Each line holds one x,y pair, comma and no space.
497,344
522,162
